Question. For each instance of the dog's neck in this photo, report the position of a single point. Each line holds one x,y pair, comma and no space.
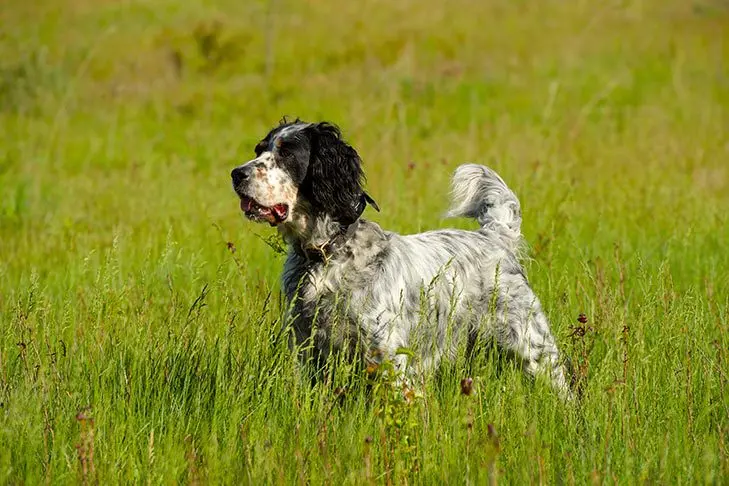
310,232
315,236
307,230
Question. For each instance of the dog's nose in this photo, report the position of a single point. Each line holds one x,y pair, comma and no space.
240,174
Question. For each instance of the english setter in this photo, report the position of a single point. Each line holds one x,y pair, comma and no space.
352,286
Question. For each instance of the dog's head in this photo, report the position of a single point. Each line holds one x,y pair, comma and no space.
301,168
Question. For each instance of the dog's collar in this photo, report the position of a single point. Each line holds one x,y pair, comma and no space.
323,252
320,254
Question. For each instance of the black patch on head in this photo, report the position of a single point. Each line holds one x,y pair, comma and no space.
291,148
266,144
292,152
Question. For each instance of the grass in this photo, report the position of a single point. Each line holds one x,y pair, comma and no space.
140,314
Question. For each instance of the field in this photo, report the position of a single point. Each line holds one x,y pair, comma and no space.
140,330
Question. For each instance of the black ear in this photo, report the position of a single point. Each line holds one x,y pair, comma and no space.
335,175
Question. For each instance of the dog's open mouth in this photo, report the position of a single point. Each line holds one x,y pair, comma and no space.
273,215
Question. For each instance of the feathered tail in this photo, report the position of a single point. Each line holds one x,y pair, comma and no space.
480,193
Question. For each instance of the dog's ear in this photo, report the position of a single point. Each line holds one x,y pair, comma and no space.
335,174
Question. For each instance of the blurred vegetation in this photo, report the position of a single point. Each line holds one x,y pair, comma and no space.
140,314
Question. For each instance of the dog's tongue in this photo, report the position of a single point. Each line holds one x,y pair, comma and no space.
280,211
272,215
245,204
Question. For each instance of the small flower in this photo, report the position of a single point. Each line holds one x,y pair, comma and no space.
582,319
467,386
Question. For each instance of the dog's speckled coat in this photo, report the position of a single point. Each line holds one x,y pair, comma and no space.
352,285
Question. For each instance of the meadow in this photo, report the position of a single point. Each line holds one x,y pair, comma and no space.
140,313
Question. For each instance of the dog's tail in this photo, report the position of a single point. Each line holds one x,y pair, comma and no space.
480,193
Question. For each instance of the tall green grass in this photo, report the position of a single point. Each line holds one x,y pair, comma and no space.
140,331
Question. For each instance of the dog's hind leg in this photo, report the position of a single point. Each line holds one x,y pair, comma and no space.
522,329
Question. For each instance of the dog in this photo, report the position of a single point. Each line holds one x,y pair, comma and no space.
351,286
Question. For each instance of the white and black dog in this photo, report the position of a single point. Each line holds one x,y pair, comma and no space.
351,286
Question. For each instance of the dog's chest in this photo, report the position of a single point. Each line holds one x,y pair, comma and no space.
321,283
